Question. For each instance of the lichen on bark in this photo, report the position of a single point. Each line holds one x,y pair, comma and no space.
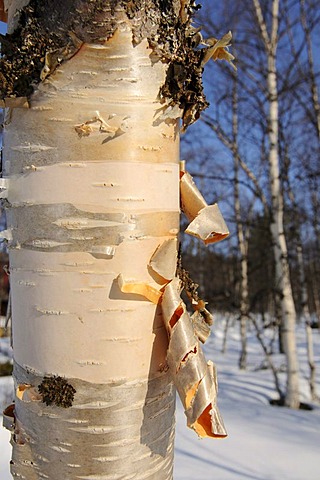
51,31
56,391
50,27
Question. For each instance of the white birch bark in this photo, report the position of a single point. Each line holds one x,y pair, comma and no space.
304,294
307,319
93,191
277,226
244,290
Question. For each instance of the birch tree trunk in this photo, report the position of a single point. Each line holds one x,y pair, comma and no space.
307,319
244,290
304,294
277,227
242,241
93,190
85,210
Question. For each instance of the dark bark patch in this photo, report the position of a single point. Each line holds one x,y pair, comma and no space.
56,391
176,42
52,31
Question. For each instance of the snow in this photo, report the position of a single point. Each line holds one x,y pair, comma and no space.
264,443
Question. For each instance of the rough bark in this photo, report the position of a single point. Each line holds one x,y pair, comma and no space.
35,47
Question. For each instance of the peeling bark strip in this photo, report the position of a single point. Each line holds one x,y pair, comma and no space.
206,220
194,379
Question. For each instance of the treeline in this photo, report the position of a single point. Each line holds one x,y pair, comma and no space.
218,274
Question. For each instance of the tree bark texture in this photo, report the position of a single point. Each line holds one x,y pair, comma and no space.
85,210
92,193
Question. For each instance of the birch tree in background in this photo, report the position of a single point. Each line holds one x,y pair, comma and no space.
94,92
242,240
270,42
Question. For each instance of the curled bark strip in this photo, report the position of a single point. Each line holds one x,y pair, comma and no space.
9,418
200,326
163,262
208,225
193,377
183,342
218,49
164,259
140,288
206,220
27,393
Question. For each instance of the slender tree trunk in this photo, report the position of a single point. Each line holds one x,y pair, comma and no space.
304,294
307,320
244,288
277,224
225,334
243,300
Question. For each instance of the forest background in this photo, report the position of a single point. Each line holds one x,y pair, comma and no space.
228,164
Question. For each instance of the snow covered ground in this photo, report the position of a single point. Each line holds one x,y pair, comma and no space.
264,443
